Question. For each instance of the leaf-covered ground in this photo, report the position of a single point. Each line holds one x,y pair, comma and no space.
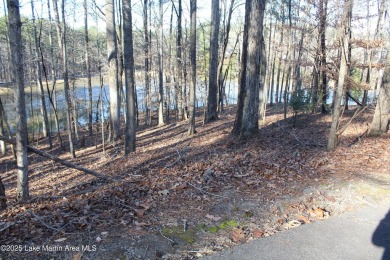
181,197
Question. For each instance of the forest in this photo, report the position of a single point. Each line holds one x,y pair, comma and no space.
174,129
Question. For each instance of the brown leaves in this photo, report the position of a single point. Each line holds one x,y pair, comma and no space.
77,256
140,212
237,235
257,233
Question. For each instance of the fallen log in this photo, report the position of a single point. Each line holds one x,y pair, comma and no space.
61,161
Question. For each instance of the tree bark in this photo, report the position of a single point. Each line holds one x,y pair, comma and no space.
128,60
191,105
179,66
380,121
323,15
88,67
148,113
212,98
161,120
247,116
15,40
3,146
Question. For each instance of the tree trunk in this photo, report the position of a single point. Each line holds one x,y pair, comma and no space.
179,66
168,77
220,76
247,117
191,105
212,99
61,34
45,121
51,94
112,52
3,200
289,60
3,146
129,78
161,120
148,107
88,66
263,88
323,14
8,128
15,41
380,121
343,72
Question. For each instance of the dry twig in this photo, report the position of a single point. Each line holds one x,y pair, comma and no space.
205,192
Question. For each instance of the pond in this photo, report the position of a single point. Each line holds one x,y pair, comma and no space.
79,96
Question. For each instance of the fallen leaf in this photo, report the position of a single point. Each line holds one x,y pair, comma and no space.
294,224
237,235
257,233
319,212
77,256
60,239
181,186
330,198
215,218
145,206
140,224
98,239
140,212
303,220
312,214
271,185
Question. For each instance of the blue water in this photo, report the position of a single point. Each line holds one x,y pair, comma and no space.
80,98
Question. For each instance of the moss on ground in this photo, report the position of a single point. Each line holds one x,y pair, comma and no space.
188,236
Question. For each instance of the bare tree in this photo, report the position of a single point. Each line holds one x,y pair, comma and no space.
344,38
179,68
61,35
45,121
148,112
112,52
88,67
128,61
380,121
191,105
225,37
15,40
322,28
161,120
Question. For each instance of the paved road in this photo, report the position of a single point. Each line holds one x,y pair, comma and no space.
362,234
